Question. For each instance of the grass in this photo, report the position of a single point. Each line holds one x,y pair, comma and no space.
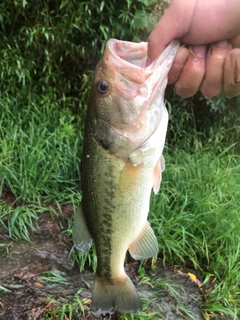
83,259
195,215
53,278
70,310
39,152
2,288
196,219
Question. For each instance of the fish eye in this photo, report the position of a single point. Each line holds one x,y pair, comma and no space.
102,87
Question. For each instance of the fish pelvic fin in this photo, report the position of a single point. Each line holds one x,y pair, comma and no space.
157,174
82,238
146,245
118,294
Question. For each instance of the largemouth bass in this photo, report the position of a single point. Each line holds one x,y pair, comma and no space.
121,162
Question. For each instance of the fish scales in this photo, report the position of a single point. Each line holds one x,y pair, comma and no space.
121,162
116,180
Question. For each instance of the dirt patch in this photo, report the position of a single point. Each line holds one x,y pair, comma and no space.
31,298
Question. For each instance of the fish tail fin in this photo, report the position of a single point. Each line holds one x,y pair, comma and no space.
118,294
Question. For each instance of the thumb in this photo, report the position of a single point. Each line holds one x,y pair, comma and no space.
174,24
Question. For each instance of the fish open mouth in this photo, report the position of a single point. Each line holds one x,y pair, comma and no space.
128,60
132,54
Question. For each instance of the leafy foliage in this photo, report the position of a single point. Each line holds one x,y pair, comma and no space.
49,48
196,121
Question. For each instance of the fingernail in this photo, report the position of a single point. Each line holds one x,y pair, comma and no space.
199,51
235,64
222,44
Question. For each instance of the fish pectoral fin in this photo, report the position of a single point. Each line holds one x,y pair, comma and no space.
157,174
146,245
82,238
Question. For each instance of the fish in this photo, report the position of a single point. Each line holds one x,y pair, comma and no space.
122,161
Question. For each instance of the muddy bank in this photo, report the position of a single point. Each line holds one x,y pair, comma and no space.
31,297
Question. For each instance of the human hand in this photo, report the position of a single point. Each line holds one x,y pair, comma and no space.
211,69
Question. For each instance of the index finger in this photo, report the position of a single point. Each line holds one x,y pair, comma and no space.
174,24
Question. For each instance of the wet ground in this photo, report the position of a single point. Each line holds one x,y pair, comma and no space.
31,297
23,264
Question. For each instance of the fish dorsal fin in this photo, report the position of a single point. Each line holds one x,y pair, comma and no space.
157,174
146,245
81,236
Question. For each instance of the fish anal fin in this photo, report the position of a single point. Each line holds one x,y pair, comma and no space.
157,174
118,294
82,238
146,245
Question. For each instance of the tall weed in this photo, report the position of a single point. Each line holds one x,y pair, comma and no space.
40,150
